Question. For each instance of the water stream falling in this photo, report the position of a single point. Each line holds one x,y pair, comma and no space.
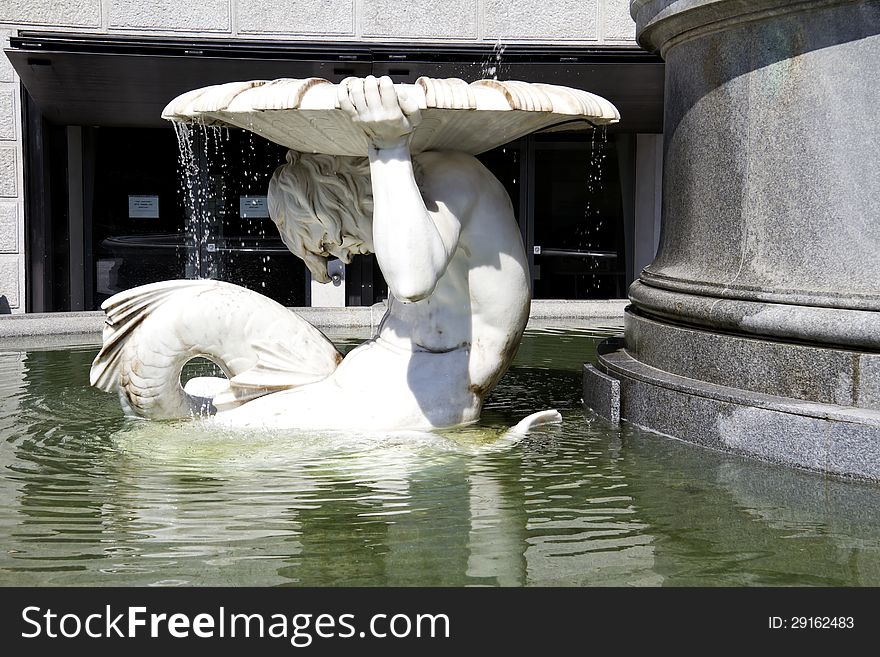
590,231
222,240
253,184
193,194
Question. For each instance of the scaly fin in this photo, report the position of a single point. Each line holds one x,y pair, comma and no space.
125,312
279,367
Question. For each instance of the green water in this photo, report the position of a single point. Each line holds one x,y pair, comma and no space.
88,498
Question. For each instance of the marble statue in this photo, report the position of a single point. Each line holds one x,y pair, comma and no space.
373,168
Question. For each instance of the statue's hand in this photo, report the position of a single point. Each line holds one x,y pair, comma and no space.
387,115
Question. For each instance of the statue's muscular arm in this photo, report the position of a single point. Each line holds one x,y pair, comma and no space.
413,246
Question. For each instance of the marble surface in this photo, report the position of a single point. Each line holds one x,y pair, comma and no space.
602,394
305,115
820,437
771,168
756,328
844,377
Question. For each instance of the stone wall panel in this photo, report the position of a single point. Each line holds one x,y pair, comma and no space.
296,17
172,15
8,226
617,24
10,286
8,172
8,117
541,20
424,19
66,13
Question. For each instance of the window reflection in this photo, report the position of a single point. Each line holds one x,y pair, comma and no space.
578,224
148,226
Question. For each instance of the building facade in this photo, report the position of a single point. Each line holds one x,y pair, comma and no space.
89,177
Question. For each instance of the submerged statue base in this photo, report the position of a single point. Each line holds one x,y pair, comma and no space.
445,236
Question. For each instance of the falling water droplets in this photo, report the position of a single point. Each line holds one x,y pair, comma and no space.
201,153
190,191
591,229
215,168
491,67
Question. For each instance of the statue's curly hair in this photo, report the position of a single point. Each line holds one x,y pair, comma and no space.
316,199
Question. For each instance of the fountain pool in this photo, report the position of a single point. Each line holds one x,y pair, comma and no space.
90,498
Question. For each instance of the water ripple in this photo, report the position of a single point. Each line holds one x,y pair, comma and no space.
92,499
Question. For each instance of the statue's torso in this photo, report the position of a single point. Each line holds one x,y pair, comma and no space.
480,305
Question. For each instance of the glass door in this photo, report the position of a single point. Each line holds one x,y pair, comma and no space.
578,248
152,222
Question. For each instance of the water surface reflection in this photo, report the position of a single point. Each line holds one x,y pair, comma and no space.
89,498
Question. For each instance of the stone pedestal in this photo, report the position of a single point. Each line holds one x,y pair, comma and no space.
757,326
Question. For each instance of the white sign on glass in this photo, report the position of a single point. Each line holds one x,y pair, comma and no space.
143,206
253,207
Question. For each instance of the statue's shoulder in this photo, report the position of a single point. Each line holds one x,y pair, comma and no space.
458,184
445,158
450,169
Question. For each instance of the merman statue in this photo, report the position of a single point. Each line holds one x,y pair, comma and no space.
444,234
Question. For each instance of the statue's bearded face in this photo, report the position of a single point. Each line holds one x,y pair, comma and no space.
351,246
318,246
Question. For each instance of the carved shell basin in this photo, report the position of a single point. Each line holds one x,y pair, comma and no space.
304,115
